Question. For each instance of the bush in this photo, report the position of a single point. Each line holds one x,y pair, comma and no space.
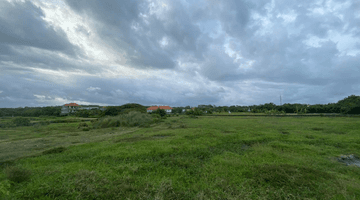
86,129
131,119
82,124
16,174
20,121
160,112
195,111
274,112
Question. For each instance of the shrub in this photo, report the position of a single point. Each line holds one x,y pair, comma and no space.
131,119
20,121
82,124
160,112
86,129
274,112
17,174
194,112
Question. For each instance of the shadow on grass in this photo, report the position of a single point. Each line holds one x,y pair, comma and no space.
54,150
17,174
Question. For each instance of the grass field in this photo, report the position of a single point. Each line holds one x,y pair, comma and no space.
184,158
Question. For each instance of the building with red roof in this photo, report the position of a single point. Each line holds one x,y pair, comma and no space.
168,109
69,108
71,104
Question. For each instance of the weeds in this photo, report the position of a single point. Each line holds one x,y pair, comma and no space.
127,120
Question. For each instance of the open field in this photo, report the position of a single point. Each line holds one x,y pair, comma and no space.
184,158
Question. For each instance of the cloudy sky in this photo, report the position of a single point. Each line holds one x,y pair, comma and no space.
178,52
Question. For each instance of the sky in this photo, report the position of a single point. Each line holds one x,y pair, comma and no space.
178,52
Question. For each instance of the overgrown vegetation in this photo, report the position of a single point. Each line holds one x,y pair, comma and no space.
160,112
131,119
124,109
194,112
182,158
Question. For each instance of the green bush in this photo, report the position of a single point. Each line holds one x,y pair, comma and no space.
160,112
82,124
131,119
274,112
20,121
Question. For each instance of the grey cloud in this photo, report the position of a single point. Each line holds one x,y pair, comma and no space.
21,24
30,58
142,47
83,30
283,63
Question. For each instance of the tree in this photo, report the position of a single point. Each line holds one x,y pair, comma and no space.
161,112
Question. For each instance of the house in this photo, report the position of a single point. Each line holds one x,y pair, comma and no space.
168,109
73,107
69,108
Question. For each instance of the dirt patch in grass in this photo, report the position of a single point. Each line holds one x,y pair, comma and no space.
350,160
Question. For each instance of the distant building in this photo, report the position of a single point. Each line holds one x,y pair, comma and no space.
168,109
69,108
73,107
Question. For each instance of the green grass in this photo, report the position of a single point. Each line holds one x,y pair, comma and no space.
182,158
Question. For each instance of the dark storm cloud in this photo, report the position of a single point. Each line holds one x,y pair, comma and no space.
128,26
22,24
292,48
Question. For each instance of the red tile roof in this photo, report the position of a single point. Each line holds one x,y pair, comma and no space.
71,104
161,107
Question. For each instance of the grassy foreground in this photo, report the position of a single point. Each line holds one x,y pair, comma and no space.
183,158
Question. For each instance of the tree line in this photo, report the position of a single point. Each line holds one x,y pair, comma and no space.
348,105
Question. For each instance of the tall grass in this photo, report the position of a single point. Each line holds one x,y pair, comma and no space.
131,119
